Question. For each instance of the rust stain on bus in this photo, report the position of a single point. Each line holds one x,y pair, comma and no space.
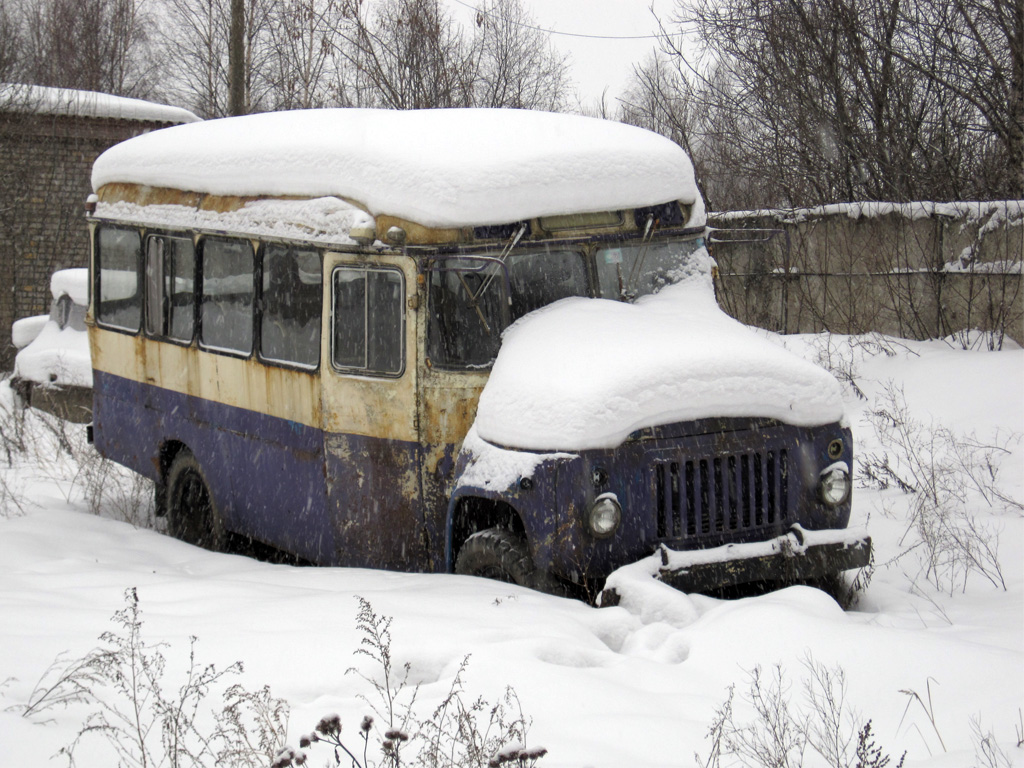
419,234
449,409
242,383
143,194
374,491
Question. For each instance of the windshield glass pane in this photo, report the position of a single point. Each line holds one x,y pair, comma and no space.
628,270
539,278
465,313
470,306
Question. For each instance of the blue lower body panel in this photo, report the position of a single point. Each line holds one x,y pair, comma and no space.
266,474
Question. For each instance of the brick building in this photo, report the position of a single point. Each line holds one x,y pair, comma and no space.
49,139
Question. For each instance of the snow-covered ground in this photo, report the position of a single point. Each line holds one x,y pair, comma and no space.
603,687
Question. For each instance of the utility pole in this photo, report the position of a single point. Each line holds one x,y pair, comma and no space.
236,59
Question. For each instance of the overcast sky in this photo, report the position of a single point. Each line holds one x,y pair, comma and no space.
596,62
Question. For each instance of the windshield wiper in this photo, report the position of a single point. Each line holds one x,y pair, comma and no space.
506,251
474,298
626,293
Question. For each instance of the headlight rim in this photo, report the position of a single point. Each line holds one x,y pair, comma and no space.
605,500
828,474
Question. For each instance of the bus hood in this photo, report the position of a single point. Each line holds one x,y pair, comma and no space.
585,373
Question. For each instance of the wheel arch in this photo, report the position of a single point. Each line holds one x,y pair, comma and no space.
471,512
166,454
193,513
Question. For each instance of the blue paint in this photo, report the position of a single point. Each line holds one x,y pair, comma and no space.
339,499
265,474
554,511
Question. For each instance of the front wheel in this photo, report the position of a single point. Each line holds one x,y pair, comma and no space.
499,554
835,586
191,514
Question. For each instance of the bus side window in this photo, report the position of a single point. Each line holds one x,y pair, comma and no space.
368,320
292,297
226,308
170,279
119,296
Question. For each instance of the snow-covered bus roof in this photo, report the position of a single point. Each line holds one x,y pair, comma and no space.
72,103
439,168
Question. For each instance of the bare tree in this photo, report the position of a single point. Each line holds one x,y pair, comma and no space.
814,102
661,98
411,54
658,99
196,54
303,55
196,51
517,65
831,117
97,45
406,54
974,51
398,54
10,44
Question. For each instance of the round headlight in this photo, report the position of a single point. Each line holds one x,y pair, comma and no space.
834,484
605,515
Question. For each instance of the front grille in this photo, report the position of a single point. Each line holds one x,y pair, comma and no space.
734,492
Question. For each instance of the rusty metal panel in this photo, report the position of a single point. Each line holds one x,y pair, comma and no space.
449,400
421,235
241,383
447,409
117,353
374,495
141,194
372,446
371,406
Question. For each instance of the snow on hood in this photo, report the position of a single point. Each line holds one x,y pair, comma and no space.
73,282
585,373
50,354
441,168
56,357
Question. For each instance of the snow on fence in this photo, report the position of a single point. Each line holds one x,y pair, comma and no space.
916,270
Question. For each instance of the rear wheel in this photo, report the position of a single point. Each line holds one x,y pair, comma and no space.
191,514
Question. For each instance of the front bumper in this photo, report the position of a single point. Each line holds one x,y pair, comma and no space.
794,556
69,402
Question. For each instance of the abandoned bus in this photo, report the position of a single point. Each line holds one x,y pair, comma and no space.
471,341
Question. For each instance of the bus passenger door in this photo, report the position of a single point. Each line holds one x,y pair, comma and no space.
369,411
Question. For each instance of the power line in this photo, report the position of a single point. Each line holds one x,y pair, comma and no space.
556,32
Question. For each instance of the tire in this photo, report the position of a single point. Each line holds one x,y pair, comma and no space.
499,554
835,586
191,513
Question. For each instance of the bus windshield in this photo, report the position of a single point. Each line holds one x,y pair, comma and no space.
472,299
626,271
